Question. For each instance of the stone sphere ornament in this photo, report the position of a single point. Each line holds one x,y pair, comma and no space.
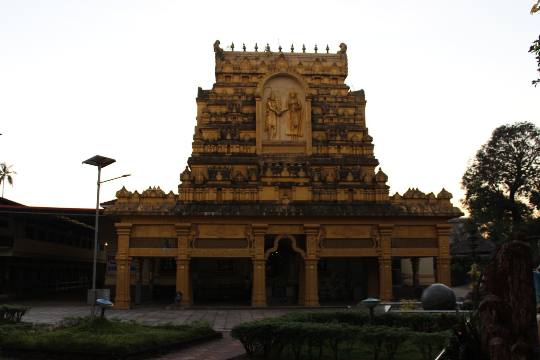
438,297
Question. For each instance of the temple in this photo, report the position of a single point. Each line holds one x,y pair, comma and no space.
282,200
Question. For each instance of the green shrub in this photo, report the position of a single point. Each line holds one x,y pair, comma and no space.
309,335
12,313
93,338
430,344
426,322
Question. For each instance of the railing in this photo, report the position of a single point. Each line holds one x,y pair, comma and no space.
69,285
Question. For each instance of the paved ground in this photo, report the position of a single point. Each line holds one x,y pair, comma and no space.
221,349
220,319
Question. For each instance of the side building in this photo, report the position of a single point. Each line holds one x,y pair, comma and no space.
282,201
45,250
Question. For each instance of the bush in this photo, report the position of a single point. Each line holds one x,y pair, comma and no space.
340,333
12,313
430,344
425,322
98,338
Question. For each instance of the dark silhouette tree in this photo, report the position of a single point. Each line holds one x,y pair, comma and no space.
6,174
502,184
535,47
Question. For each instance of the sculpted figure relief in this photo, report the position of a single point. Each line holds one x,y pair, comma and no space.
295,116
273,112
278,127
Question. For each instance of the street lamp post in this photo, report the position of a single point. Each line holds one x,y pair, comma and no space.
100,162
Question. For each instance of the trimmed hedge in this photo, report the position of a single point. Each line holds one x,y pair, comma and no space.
423,322
85,338
309,335
12,313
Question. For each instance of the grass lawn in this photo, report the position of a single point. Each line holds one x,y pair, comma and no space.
84,338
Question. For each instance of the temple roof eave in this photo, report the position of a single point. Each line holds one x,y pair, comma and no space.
250,209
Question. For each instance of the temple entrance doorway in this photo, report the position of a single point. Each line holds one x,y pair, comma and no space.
225,281
154,280
346,280
283,273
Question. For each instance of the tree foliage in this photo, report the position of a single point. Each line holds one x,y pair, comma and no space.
535,47
502,184
6,174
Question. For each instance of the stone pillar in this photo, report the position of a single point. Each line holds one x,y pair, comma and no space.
311,287
138,280
415,278
123,278
183,283
183,279
385,262
443,260
258,296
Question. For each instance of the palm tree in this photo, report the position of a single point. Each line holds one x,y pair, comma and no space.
6,174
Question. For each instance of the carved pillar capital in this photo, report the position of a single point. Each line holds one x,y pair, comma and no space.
259,231
443,270
123,232
123,228
386,229
312,232
312,229
443,235
182,239
385,240
443,229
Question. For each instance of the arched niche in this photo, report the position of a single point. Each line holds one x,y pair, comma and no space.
285,238
283,115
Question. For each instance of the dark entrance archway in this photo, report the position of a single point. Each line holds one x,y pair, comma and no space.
346,281
284,268
221,281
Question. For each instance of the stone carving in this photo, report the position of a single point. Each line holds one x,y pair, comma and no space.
185,176
284,113
342,49
273,112
218,51
295,116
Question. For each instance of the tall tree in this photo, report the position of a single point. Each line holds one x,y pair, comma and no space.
535,47
502,183
6,174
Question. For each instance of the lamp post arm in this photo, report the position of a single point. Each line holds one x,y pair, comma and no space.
118,177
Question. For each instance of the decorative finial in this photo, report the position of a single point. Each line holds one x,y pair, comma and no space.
244,46
267,48
316,48
303,48
232,46
279,48
256,47
292,48
327,48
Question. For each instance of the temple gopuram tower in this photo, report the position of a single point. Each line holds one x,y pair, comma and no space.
282,201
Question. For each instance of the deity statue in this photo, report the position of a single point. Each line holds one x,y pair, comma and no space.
295,116
273,112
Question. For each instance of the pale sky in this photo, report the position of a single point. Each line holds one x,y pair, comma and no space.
119,79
